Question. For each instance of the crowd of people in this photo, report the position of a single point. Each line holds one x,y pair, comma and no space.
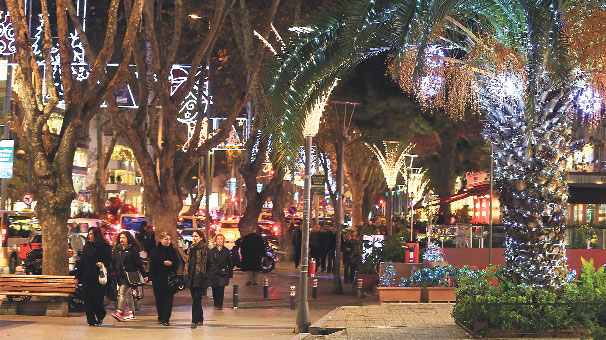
322,248
202,268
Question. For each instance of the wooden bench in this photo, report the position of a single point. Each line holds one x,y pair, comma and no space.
19,289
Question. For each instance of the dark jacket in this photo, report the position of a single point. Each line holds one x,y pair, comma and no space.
223,268
297,238
199,266
332,240
126,260
158,272
88,272
253,247
346,249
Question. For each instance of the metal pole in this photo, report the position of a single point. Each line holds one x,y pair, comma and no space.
337,287
208,192
412,216
303,313
388,208
490,206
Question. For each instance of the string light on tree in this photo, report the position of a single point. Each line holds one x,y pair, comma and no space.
391,162
312,119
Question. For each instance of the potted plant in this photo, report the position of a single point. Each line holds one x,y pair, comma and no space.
367,270
390,292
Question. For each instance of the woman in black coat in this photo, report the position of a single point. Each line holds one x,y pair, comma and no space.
223,270
252,249
126,259
197,275
163,262
95,254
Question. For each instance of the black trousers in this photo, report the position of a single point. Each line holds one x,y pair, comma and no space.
330,258
350,272
164,306
218,295
197,315
93,303
297,256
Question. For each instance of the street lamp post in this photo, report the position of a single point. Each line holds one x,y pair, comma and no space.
310,129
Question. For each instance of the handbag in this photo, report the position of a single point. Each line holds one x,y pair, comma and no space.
102,275
134,278
176,282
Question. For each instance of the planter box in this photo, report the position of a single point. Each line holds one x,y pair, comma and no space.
434,263
369,281
402,269
399,294
438,294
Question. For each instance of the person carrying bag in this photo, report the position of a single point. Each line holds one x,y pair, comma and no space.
199,266
129,269
223,270
96,255
163,266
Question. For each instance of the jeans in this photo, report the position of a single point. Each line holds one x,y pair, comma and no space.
218,295
197,314
164,306
125,298
93,303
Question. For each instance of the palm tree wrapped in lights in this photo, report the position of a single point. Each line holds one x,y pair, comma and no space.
396,154
416,183
509,60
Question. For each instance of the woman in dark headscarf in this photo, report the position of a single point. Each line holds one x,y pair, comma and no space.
96,254
164,261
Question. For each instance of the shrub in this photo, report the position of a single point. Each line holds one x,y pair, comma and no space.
495,302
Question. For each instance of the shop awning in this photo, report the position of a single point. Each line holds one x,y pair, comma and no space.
577,194
587,194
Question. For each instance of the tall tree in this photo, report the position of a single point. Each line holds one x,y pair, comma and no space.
163,175
53,153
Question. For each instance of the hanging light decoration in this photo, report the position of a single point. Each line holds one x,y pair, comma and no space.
393,159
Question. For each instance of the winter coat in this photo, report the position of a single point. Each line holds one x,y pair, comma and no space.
223,270
297,237
253,247
315,244
88,272
199,266
332,240
126,260
158,272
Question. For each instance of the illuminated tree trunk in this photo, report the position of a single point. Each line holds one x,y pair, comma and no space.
530,175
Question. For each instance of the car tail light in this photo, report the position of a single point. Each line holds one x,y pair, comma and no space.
275,229
71,252
3,240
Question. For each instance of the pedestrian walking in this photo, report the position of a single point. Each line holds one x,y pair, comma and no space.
223,270
164,262
315,244
324,247
96,254
332,245
346,249
128,267
252,249
355,258
199,266
297,237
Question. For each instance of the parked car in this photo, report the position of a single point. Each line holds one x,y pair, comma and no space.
229,229
185,236
75,243
82,225
15,227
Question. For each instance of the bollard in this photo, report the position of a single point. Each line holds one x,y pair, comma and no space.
235,302
265,288
312,268
314,288
360,285
292,297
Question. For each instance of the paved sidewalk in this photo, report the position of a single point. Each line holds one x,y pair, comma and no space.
257,318
388,321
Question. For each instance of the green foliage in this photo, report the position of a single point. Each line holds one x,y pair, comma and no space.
494,301
438,276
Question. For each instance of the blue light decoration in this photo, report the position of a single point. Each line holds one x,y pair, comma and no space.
433,253
388,278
